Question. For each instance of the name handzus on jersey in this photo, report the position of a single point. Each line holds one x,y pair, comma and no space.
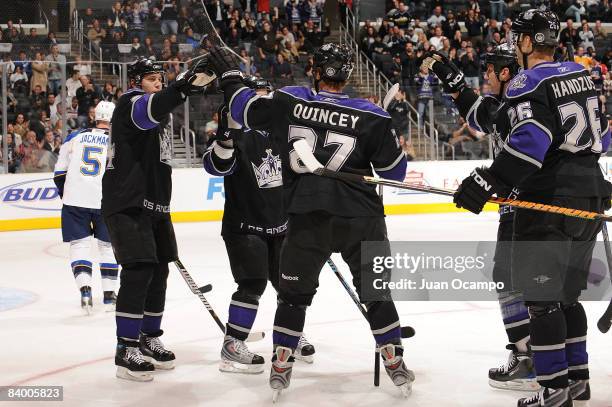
269,172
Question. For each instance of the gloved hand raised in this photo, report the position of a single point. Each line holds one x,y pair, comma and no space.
453,80
196,79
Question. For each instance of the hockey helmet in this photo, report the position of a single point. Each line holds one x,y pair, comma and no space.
254,82
502,56
143,66
104,111
541,25
334,62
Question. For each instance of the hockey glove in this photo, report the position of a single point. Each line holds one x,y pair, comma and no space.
196,79
453,80
475,190
224,63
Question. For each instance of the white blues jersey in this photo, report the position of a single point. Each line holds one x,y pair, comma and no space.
81,164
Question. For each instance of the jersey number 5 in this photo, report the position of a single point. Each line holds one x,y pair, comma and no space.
91,164
346,145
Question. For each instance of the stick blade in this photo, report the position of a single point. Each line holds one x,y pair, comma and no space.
408,332
256,336
390,95
205,288
605,322
304,152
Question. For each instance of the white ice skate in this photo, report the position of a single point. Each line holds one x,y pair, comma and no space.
401,376
305,350
237,358
280,373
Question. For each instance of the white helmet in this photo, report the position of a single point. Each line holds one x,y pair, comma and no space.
104,111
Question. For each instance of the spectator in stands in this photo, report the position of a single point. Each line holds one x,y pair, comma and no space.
56,61
136,18
586,36
12,158
368,39
150,49
582,59
292,13
21,126
166,51
47,143
84,68
51,40
23,61
490,30
315,36
90,120
137,49
108,93
267,47
86,95
400,16
312,10
116,14
72,83
410,68
19,80
576,10
211,126
289,43
33,39
437,39
6,33
569,35
474,27
246,64
169,17
195,43
470,66
88,18
598,73
436,19
425,83
72,113
399,109
173,68
51,106
217,11
282,68
118,94
39,72
450,26
599,32
96,33
27,151
15,36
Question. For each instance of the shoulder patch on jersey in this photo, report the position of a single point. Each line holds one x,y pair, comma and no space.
74,134
530,79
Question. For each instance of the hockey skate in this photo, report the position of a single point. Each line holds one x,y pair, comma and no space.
517,374
305,350
130,363
580,390
153,351
280,373
110,301
86,301
237,358
548,397
401,376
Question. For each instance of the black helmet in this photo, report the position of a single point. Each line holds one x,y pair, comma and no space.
334,61
141,67
254,82
502,56
541,25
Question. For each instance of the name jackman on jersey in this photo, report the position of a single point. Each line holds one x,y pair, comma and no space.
572,86
320,115
94,138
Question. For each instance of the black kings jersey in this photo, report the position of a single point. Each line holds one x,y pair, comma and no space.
345,134
253,183
138,174
557,133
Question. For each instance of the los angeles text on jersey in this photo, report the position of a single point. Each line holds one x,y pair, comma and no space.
320,115
572,86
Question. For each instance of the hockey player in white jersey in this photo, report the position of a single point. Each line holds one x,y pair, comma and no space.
78,177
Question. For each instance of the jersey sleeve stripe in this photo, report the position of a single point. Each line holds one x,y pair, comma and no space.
398,172
149,114
530,139
209,165
472,118
605,139
140,112
237,103
392,165
522,156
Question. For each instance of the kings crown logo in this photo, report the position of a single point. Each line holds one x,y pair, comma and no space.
269,174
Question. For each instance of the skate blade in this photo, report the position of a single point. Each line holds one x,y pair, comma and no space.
169,365
109,307
406,389
581,403
307,359
518,385
87,310
276,394
124,373
229,366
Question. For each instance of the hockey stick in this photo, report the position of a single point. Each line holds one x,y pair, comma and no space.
314,166
390,95
199,291
605,321
406,331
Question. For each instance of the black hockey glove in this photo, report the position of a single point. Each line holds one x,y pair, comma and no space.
225,64
453,80
59,181
196,79
475,190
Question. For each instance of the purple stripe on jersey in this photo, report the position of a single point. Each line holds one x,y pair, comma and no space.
529,79
244,317
282,339
239,102
140,114
210,168
531,140
301,92
576,353
151,324
397,173
128,327
605,141
549,361
389,336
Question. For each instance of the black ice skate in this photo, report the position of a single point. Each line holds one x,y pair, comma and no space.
110,301
548,397
237,358
517,374
130,363
580,390
86,301
305,350
280,373
153,351
401,376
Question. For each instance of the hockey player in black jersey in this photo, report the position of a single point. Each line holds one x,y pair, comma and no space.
551,155
325,215
136,191
489,114
253,228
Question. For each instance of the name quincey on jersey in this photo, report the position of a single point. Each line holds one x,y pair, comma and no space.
320,115
571,86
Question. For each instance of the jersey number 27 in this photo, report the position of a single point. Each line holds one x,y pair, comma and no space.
345,146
